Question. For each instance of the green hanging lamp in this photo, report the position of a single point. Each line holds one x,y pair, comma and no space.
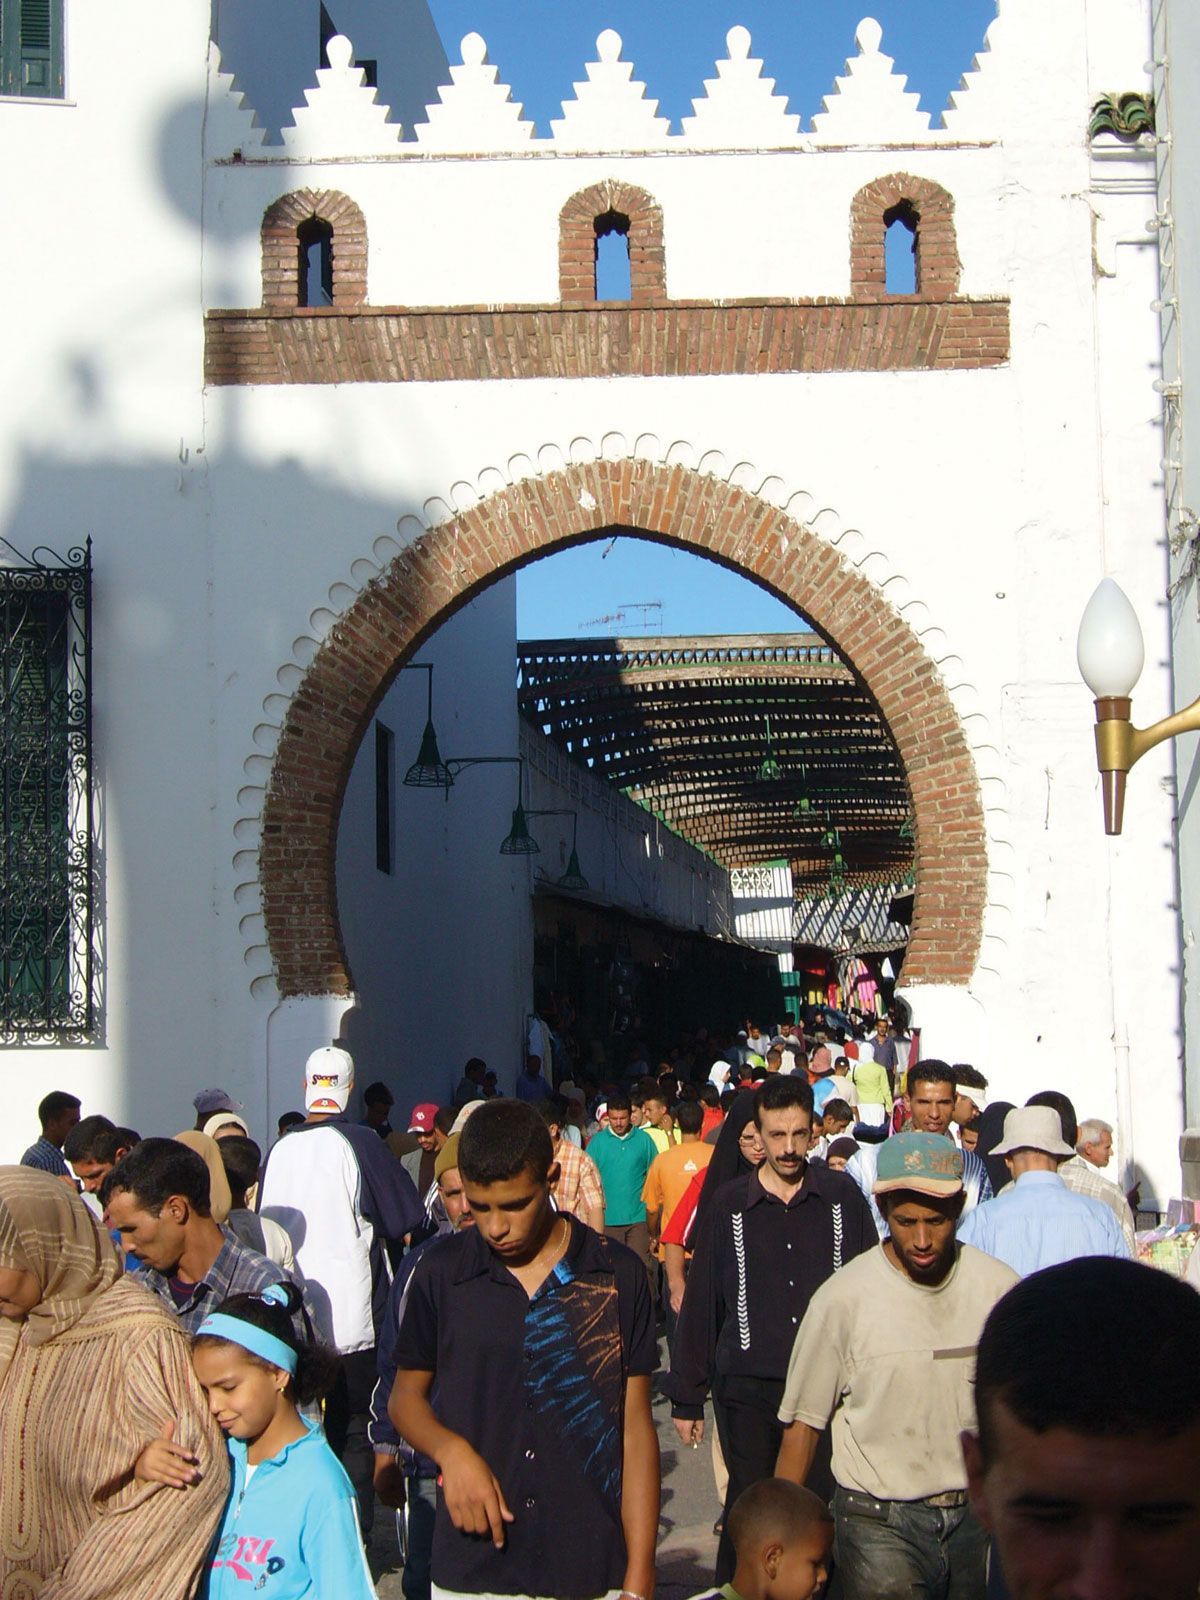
519,840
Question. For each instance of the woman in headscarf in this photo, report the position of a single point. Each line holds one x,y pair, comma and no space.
92,1369
990,1125
738,1148
220,1196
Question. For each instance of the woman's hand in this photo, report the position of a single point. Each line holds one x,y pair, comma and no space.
164,1461
473,1497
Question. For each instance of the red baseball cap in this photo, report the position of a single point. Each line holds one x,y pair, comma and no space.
422,1117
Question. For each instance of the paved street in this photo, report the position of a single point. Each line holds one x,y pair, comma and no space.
687,1546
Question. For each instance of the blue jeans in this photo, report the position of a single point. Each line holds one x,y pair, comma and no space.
907,1549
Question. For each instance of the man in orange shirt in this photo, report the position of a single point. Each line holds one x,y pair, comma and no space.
670,1177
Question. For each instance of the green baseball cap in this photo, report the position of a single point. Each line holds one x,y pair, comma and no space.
926,1163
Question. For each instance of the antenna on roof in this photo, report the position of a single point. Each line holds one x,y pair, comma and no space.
648,621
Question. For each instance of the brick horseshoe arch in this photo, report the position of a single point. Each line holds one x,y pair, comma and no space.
332,706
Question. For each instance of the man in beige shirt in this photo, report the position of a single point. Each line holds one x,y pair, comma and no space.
886,1353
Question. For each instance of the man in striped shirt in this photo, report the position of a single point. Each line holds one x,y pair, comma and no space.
578,1188
932,1091
158,1200
58,1114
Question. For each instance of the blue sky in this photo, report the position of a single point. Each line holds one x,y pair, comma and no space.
563,596
541,48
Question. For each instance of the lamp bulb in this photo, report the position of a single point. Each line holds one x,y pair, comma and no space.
1110,650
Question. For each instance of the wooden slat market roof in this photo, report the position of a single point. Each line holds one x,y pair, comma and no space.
684,725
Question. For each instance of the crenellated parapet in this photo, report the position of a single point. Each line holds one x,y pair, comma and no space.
611,110
757,241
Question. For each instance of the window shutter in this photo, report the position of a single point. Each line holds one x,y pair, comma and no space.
31,47
47,970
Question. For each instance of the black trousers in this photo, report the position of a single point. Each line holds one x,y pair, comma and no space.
347,1414
748,1425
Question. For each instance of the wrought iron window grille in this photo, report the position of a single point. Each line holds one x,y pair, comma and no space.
49,967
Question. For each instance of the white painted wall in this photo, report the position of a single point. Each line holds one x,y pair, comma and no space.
1177,49
100,422
232,528
442,948
628,857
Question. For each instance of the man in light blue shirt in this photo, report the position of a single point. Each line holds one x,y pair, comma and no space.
1039,1222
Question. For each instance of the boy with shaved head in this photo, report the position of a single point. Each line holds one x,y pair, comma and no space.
782,1534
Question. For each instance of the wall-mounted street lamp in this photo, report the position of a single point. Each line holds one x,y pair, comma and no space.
1111,654
428,771
572,878
518,841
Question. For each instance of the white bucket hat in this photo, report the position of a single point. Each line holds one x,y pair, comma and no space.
1033,1128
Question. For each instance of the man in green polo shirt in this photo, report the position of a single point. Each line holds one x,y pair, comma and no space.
623,1154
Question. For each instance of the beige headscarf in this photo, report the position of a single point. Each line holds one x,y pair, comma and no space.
224,1119
47,1230
219,1198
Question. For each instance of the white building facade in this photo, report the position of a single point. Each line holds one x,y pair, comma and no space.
286,499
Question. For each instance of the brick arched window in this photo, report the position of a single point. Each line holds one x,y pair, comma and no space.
289,228
923,207
611,207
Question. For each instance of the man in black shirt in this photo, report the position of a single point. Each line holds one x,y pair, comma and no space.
539,1335
767,1243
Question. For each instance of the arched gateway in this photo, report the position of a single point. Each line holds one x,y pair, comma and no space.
331,707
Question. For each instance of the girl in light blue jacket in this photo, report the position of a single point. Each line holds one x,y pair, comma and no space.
290,1529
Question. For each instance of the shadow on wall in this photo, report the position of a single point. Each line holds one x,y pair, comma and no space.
192,630
181,588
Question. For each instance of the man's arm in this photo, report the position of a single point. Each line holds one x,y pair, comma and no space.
640,1487
1119,1246
591,1192
815,1383
653,1224
796,1451
694,1353
652,1199
470,1489
389,1195
676,1281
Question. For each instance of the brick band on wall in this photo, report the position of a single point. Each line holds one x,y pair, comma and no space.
675,338
332,706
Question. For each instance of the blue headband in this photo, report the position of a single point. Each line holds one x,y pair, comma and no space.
257,1340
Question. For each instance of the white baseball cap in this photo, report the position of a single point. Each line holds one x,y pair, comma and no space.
328,1079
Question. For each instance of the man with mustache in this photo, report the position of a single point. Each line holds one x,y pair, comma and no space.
766,1243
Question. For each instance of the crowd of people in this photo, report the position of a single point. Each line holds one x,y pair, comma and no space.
910,1310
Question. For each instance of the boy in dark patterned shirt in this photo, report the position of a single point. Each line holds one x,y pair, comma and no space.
539,1335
